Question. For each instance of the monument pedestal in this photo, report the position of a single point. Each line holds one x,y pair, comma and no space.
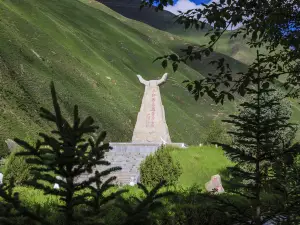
129,156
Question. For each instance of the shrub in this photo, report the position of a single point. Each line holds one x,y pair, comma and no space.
192,206
16,167
4,151
216,132
160,166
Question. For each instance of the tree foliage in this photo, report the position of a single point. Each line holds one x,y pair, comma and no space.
270,24
262,148
216,132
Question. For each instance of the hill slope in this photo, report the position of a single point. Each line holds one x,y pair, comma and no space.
162,20
93,55
165,21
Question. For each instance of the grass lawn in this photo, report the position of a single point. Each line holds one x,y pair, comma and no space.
200,163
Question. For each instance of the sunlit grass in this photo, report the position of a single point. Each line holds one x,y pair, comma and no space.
200,163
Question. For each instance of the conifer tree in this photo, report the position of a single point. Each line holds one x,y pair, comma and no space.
68,158
259,131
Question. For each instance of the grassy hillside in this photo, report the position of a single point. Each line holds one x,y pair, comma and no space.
162,20
93,55
235,48
165,21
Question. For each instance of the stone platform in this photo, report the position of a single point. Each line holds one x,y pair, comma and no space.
129,156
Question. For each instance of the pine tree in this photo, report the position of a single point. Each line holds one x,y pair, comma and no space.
259,131
70,156
70,160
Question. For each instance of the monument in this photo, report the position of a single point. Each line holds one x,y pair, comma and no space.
150,132
151,126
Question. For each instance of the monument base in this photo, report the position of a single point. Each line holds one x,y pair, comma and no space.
129,156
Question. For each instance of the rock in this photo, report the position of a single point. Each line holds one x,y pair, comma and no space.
12,145
214,184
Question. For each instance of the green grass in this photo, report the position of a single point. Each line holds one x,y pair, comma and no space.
200,163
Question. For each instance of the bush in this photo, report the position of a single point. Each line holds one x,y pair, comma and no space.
160,166
192,206
216,132
4,151
17,168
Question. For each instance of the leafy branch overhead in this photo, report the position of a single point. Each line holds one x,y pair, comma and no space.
271,25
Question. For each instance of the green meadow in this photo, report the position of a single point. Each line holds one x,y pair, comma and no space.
199,164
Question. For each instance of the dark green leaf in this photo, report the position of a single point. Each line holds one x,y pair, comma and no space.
164,63
175,66
207,52
266,85
173,57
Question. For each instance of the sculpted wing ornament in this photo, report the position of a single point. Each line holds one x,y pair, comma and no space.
142,80
163,79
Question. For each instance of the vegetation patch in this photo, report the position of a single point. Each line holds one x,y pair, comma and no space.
160,166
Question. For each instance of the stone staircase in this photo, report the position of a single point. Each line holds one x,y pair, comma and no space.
129,157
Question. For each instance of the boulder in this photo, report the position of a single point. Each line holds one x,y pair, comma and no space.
11,145
214,184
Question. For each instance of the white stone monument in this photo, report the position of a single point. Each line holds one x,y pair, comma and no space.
150,133
151,126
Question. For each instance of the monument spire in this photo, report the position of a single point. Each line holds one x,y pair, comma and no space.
151,126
